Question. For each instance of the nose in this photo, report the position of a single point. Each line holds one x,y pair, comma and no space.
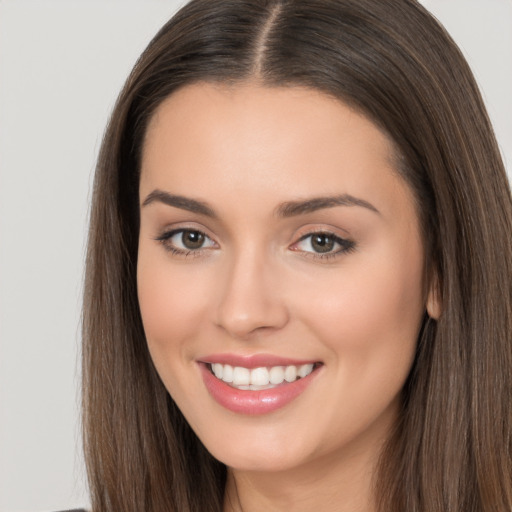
250,299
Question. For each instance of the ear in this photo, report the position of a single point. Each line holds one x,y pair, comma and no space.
434,302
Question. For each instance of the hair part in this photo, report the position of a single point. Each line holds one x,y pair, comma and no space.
391,61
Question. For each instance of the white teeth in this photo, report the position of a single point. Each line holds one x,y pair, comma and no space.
304,370
217,370
227,373
241,376
276,375
290,374
259,378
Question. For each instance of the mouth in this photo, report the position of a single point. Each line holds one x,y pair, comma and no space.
260,378
258,384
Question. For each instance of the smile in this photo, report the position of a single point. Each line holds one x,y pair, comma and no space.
256,379
256,385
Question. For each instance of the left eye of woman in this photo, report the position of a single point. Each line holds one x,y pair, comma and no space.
323,244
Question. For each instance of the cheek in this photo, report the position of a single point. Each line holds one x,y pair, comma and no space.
173,303
370,314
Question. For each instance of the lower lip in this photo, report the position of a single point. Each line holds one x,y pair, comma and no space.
253,402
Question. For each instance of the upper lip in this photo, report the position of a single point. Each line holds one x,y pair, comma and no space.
254,360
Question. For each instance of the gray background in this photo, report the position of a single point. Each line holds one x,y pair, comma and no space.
62,64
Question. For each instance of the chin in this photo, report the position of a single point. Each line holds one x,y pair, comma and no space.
264,451
259,462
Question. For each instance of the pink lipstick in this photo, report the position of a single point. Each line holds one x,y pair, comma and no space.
256,384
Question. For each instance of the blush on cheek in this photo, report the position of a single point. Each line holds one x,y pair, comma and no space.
172,304
369,309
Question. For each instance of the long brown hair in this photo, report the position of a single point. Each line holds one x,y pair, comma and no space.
392,61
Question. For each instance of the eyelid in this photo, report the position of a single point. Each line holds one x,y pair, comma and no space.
342,244
346,245
167,234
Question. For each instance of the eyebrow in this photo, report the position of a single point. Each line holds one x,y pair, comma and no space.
292,208
287,209
182,202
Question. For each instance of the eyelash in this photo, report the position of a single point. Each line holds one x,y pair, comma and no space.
345,245
165,238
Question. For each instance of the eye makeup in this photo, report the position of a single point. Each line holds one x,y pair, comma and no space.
316,244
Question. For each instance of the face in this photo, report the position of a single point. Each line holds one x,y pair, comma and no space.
280,273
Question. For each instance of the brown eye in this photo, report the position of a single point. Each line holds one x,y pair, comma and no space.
323,245
192,239
321,242
186,241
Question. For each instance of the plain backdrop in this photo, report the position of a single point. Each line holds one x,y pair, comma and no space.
62,64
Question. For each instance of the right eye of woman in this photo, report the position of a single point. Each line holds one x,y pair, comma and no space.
185,242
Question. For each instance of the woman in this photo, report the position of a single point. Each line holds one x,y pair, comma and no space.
298,279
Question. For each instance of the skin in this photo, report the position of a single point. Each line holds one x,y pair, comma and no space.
258,286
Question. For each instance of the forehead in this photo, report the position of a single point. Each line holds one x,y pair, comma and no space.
214,106
262,141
